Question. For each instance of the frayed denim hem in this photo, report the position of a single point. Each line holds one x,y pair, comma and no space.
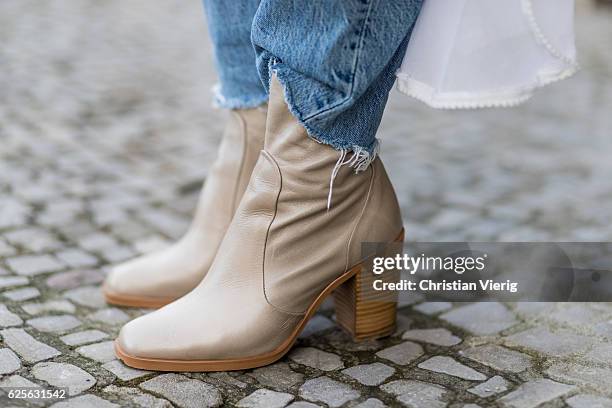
247,102
352,155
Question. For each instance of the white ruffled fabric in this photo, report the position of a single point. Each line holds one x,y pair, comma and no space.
487,53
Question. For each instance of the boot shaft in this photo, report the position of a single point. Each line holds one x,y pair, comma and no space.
229,175
308,243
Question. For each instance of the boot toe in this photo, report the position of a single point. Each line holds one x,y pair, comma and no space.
162,334
126,279
114,282
128,340
142,338
147,281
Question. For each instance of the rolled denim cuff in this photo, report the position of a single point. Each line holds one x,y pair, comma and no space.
220,100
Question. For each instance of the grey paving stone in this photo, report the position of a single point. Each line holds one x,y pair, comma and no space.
183,391
83,337
416,394
263,398
9,362
37,192
499,358
370,374
8,318
432,308
578,314
30,265
593,377
409,298
73,206
89,296
74,279
230,380
123,372
481,318
117,254
589,401
18,295
439,337
402,323
53,219
328,391
17,381
138,398
62,306
76,258
315,325
13,213
101,352
110,315
54,324
315,358
164,221
402,354
452,217
108,215
447,365
34,239
535,392
303,404
494,385
97,241
371,403
6,249
278,376
138,234
560,343
10,281
534,310
30,349
603,329
600,354
74,378
89,401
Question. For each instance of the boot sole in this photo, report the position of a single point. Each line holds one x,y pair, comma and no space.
154,364
135,301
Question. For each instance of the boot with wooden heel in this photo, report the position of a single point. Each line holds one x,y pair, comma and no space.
160,277
285,251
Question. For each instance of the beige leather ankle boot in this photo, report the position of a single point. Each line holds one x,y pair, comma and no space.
156,279
283,253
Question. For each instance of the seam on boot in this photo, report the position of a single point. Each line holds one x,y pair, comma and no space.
243,134
363,209
273,162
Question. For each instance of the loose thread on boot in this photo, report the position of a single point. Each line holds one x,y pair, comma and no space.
360,160
334,173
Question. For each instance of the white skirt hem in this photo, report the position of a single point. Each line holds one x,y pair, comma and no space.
499,98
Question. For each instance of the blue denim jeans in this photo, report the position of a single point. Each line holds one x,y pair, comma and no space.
336,60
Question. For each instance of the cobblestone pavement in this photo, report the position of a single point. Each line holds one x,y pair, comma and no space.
106,133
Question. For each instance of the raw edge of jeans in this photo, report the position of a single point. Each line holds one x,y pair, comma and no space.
362,156
220,101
